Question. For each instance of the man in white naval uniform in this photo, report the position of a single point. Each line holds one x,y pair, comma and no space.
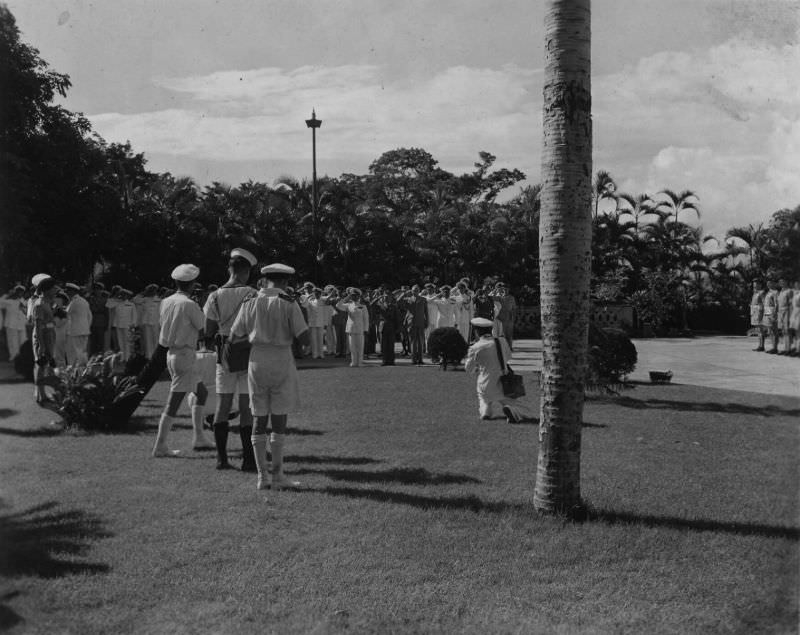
221,308
271,321
182,323
482,359
318,312
357,323
79,316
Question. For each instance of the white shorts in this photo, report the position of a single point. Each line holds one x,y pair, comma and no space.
273,382
182,369
231,383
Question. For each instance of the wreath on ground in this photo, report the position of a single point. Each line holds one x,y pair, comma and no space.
447,347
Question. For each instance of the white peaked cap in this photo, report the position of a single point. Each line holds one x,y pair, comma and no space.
38,278
185,273
243,253
481,322
277,267
73,286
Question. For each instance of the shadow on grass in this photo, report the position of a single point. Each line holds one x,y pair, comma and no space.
535,422
13,380
406,476
303,432
34,539
342,460
5,413
610,517
478,505
689,406
8,616
49,431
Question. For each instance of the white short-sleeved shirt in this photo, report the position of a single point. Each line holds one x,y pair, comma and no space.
111,305
149,310
357,316
14,313
125,313
446,311
318,311
181,321
80,316
269,319
223,306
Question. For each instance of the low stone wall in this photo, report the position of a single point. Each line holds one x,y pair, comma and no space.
618,316
529,323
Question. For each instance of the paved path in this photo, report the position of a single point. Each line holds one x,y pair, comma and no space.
715,362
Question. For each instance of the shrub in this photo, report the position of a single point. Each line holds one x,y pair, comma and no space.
612,355
447,345
98,396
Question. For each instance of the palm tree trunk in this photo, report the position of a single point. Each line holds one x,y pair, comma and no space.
565,252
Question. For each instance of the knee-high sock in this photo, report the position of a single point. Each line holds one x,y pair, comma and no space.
164,426
246,435
276,442
258,444
198,435
221,440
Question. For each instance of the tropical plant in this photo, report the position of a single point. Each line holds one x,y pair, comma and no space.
97,396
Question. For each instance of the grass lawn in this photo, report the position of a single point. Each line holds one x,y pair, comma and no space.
414,517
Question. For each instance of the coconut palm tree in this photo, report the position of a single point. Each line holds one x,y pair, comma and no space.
675,203
755,241
603,187
565,251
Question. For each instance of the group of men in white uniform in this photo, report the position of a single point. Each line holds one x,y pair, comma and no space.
271,320
268,390
16,314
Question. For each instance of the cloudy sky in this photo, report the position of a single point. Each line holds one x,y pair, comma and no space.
688,94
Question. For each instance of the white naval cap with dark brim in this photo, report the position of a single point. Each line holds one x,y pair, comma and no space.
185,273
481,322
72,286
243,253
277,268
39,278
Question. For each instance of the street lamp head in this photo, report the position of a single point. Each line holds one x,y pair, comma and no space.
313,122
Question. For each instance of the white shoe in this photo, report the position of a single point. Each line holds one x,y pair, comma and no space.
165,453
203,443
262,482
281,482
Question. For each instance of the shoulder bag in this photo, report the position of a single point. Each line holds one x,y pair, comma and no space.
513,386
233,356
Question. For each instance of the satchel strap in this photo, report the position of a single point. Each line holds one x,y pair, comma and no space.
500,355
235,311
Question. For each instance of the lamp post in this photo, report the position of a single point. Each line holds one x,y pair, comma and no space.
314,123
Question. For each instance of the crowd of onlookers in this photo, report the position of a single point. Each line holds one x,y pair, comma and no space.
775,315
91,319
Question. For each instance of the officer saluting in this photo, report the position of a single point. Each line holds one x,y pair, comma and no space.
270,322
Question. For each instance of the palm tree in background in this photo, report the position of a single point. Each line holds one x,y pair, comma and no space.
565,251
676,203
603,187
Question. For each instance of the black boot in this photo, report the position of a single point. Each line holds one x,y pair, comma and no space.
248,458
221,439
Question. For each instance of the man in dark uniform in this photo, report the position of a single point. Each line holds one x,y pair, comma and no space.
416,320
99,326
388,318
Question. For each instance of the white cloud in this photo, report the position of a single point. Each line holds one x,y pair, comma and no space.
723,122
258,114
